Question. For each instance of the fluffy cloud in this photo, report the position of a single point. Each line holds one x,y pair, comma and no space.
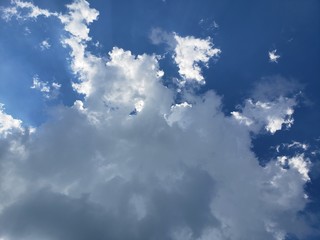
270,115
77,19
7,123
189,53
273,57
173,170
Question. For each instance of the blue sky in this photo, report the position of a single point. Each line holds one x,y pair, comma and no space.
173,118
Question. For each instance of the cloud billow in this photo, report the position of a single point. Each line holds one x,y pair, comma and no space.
174,170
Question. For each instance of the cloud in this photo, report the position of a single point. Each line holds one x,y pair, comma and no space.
32,11
272,87
189,53
77,19
39,85
44,45
273,57
8,124
271,105
27,31
159,36
269,115
176,115
48,91
297,162
173,170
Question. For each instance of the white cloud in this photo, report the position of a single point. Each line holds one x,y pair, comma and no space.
294,145
299,162
39,85
49,91
300,145
271,116
75,22
77,19
273,57
297,145
172,171
177,115
44,45
8,124
189,52
32,11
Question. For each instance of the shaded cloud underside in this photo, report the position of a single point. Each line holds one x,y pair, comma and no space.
170,171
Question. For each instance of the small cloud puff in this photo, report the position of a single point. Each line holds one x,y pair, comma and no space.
44,45
273,57
48,91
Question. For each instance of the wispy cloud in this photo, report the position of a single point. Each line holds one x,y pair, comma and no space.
49,91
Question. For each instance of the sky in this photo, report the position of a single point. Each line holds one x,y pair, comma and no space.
159,119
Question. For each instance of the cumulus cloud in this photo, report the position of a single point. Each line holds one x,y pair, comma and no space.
77,19
272,116
7,123
273,57
173,170
189,53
